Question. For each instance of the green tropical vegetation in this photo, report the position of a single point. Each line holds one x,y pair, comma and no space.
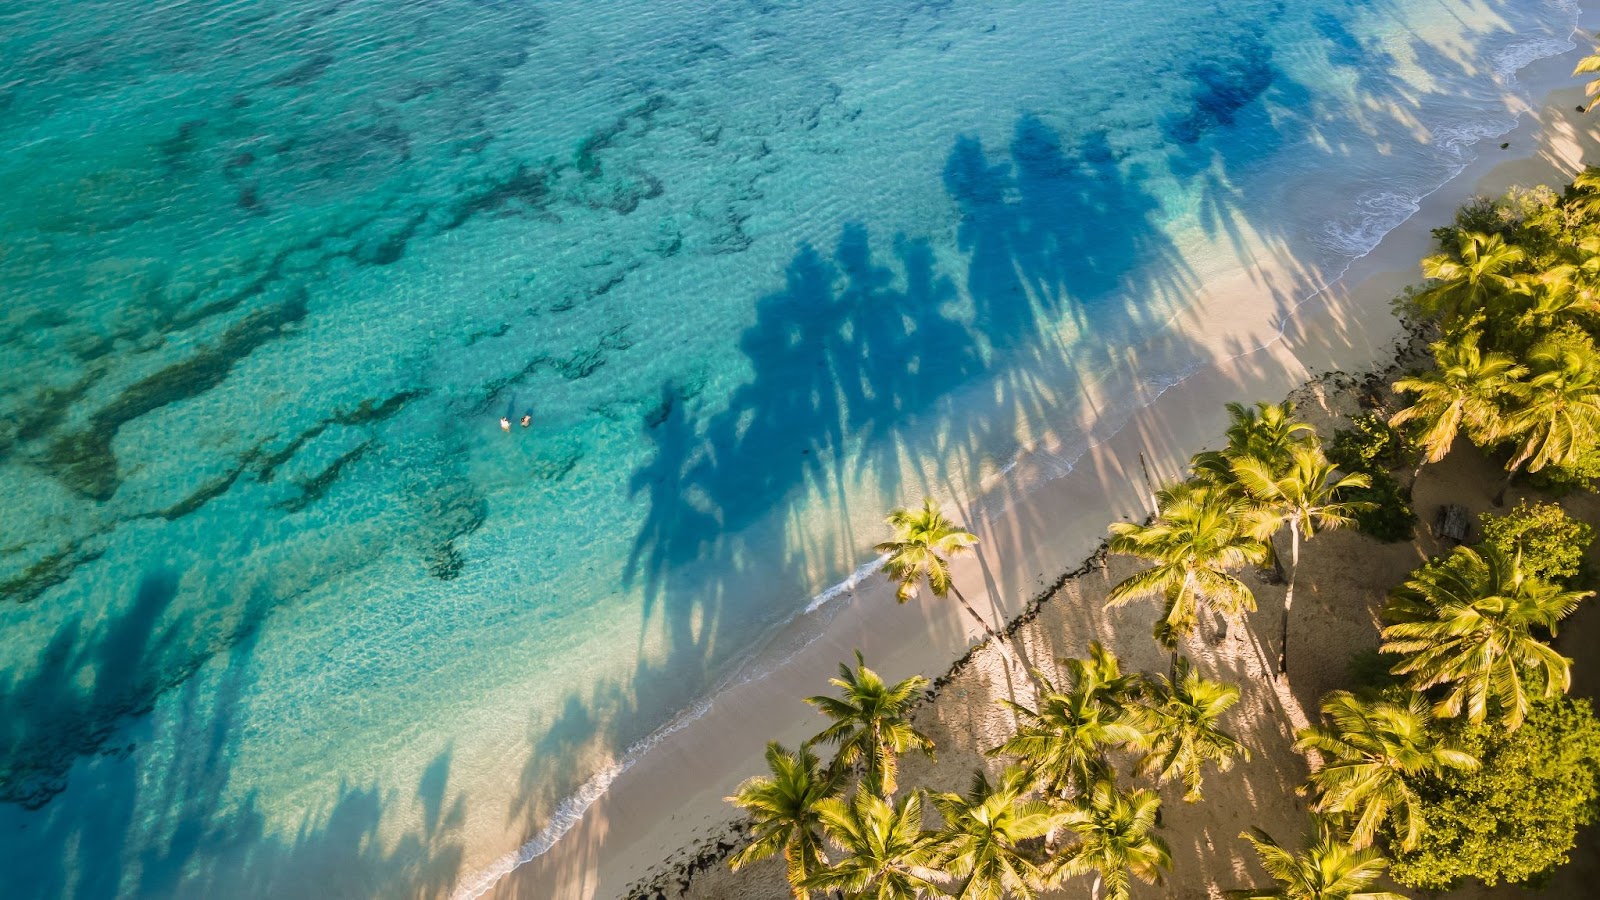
870,723
1457,754
1185,712
1516,817
1549,542
1368,747
1472,623
1328,868
1116,840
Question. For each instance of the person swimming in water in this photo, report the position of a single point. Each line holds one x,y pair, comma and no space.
527,419
505,424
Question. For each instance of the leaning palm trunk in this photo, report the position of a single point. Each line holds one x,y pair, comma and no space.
1288,596
999,639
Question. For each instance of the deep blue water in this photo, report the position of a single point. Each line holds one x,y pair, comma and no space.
286,614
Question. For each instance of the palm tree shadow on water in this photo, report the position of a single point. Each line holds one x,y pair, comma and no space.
861,364
99,824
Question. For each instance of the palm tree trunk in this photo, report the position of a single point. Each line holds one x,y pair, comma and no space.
996,636
982,622
1500,498
1288,596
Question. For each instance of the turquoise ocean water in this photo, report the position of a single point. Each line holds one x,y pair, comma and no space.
285,613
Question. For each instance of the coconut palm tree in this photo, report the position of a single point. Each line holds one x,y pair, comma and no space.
1327,869
1267,432
1304,496
1482,268
784,809
920,551
1115,840
1064,740
1557,415
980,843
1465,389
871,723
1202,531
884,854
1471,622
1589,65
1183,733
1368,752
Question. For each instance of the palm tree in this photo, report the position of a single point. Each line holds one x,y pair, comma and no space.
1588,66
1115,840
1305,496
884,852
1267,431
979,844
871,723
1183,731
1469,622
1327,869
1202,531
1464,389
1370,750
924,540
1558,417
1064,740
784,809
1481,269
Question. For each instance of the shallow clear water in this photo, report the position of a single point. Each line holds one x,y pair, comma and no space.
286,614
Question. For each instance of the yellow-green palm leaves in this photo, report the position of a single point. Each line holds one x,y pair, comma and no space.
1116,839
884,853
1557,417
1267,431
1183,731
1482,268
1064,740
924,541
1327,869
1203,530
1464,390
1303,494
980,843
1368,750
784,809
1470,623
1589,65
871,723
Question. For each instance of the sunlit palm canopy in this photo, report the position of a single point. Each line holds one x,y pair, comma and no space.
1368,750
1472,623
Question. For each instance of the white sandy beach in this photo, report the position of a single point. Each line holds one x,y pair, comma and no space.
659,811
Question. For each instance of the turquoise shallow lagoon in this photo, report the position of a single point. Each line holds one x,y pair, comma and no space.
286,614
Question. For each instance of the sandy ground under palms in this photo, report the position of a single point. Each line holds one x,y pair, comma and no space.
1342,583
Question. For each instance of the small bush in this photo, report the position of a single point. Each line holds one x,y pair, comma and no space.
1581,475
1516,817
1390,518
1550,541
1368,445
1371,447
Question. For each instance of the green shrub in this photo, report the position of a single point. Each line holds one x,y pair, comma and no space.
1516,817
1581,475
1368,445
1371,447
1551,542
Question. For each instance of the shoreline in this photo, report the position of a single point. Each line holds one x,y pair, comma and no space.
665,813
